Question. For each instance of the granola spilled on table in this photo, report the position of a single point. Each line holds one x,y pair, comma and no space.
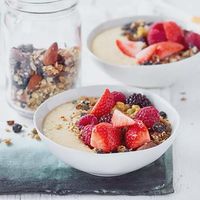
38,74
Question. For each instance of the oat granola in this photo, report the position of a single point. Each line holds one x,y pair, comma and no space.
33,81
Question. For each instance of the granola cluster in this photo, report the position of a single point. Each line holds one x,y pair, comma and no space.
38,74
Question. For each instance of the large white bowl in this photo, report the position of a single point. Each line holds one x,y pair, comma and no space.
104,164
148,76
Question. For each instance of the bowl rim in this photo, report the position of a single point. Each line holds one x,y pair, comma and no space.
91,36
128,89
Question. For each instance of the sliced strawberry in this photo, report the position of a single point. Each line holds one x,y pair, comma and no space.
104,105
165,49
119,119
105,137
137,135
130,48
173,32
193,39
146,54
156,33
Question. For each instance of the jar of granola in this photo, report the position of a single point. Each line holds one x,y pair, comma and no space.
42,45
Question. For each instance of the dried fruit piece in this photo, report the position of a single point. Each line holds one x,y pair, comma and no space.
10,122
156,33
51,55
119,119
34,81
147,145
130,48
104,105
105,137
137,135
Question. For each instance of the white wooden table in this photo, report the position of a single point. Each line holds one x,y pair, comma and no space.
187,145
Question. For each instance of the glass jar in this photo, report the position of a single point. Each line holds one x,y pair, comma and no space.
42,49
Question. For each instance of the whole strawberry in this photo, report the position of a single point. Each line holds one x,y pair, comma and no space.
104,105
105,137
86,133
148,115
137,135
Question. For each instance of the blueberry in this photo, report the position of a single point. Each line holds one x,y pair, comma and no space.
163,114
159,127
17,128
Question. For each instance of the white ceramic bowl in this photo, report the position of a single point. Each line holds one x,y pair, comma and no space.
104,164
148,76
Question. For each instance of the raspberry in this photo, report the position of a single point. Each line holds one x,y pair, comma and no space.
138,99
106,118
119,96
86,133
148,115
85,120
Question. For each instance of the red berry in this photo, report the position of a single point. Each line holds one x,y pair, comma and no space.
130,48
86,133
105,137
146,54
173,32
137,135
165,49
106,118
148,115
156,33
119,96
86,120
193,39
104,105
119,119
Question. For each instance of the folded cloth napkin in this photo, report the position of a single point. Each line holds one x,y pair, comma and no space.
28,167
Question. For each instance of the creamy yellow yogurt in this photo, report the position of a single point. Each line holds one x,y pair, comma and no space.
56,127
104,47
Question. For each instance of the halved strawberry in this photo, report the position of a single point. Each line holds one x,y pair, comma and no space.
193,39
156,33
137,135
165,49
173,32
146,54
130,48
105,137
119,119
104,105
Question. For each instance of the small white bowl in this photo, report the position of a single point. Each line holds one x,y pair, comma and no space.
113,164
147,76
